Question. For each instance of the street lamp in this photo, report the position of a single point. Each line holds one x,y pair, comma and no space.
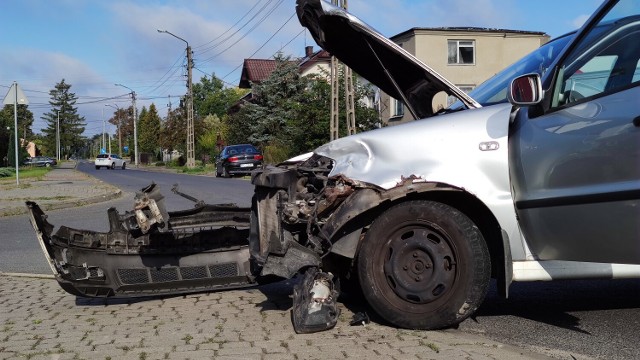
119,136
191,159
58,137
135,123
104,143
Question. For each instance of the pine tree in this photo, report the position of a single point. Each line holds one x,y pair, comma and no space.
72,125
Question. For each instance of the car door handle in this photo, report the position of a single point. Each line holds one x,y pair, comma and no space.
636,122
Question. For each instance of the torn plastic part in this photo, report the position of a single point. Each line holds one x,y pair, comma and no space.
199,203
360,318
314,303
149,209
320,293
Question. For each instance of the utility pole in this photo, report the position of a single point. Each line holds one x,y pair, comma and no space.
115,106
135,122
348,96
104,142
58,137
191,158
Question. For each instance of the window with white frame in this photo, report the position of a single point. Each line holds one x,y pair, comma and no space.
397,108
461,52
465,88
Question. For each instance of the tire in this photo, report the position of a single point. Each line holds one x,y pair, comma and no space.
225,173
113,166
424,265
97,167
218,171
124,165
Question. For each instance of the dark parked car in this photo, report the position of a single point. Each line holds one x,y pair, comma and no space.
40,161
238,160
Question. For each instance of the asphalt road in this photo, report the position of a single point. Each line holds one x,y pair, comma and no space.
597,319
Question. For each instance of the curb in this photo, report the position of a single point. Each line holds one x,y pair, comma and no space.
21,210
27,275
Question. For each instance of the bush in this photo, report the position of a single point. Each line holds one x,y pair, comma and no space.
7,172
160,163
274,154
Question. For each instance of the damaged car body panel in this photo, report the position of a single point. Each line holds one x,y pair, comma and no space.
418,216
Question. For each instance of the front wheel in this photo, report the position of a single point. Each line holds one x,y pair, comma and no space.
124,165
424,265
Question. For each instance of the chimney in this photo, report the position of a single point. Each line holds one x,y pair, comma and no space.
308,51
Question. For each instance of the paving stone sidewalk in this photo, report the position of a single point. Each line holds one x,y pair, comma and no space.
38,320
62,187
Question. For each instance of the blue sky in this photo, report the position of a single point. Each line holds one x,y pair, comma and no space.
94,44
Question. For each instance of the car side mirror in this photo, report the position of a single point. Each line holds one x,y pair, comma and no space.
526,90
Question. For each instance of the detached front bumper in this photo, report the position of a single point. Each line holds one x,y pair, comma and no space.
201,249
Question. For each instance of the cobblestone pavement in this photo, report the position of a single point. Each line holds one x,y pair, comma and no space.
38,320
60,188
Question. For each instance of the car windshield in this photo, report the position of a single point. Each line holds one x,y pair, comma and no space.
494,90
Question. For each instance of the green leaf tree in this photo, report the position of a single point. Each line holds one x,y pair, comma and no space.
122,118
72,125
11,152
149,130
7,120
174,132
211,140
210,97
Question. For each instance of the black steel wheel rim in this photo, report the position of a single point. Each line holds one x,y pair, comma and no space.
420,265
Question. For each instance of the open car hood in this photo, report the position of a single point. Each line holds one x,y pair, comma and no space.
376,58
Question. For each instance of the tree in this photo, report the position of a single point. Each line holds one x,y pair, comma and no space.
7,120
174,132
149,130
72,125
289,114
210,97
11,152
263,122
210,141
121,118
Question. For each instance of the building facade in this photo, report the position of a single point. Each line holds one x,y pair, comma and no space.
465,56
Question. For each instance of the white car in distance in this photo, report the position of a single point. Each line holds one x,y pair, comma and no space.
110,161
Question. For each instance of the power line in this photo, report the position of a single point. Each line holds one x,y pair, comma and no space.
265,43
232,26
247,33
238,30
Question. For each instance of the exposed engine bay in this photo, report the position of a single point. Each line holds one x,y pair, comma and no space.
149,251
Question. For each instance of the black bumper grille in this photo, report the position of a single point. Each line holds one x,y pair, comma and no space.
168,274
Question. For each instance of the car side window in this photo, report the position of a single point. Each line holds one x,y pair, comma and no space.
605,61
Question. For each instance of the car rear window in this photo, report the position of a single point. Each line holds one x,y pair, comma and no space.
246,150
102,156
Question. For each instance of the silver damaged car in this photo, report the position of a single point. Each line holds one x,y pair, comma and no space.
535,175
